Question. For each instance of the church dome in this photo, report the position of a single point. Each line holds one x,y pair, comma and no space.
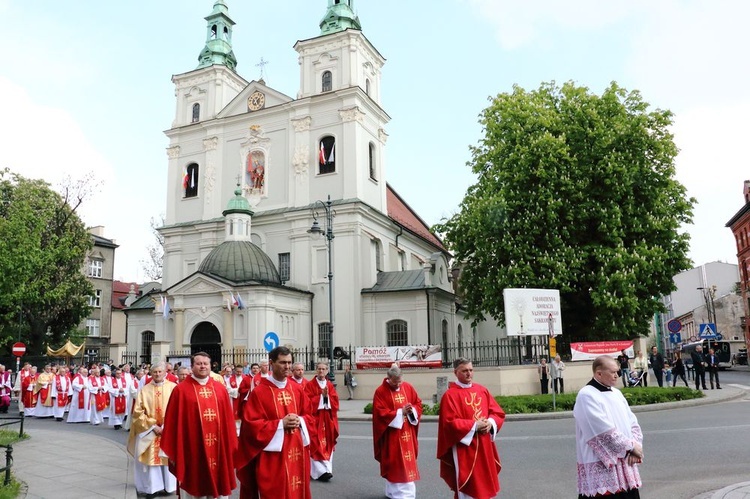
240,262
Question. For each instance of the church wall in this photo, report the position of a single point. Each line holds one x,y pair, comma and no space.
409,306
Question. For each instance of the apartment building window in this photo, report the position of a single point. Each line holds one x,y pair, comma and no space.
285,263
95,268
93,327
95,300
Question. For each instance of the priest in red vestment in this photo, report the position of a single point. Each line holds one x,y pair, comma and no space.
324,403
28,396
275,436
396,410
233,382
298,374
199,435
467,426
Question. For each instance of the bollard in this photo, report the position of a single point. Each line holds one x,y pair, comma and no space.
8,464
442,387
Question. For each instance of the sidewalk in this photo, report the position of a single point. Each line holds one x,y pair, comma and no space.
102,468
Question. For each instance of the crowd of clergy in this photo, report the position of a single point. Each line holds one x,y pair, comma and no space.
201,432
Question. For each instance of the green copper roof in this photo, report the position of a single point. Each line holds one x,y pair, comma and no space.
240,262
339,16
238,204
218,49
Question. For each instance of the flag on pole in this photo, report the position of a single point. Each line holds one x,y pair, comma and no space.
229,304
192,178
322,155
330,156
240,303
185,181
165,307
235,303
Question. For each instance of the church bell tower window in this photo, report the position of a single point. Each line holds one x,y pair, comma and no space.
327,81
196,113
327,155
190,181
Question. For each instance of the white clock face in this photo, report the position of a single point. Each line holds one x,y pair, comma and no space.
256,101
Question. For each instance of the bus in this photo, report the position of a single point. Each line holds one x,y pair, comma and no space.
722,350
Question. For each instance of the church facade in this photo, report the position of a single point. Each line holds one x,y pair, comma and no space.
250,170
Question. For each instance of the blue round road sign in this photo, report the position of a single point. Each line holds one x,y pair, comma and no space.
270,341
674,326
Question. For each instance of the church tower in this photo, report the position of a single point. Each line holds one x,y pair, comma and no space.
340,72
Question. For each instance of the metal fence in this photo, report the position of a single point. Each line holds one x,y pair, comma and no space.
492,353
9,448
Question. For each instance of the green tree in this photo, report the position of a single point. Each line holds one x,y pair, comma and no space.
43,247
575,192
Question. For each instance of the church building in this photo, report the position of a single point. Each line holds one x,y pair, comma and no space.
253,174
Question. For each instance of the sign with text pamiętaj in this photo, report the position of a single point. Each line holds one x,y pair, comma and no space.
532,312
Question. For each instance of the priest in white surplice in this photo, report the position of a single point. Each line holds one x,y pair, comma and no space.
609,442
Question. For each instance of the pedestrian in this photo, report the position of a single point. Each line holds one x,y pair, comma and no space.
273,460
657,365
609,440
699,365
324,405
712,365
151,470
624,363
199,435
640,364
349,381
468,423
396,411
556,369
678,369
543,371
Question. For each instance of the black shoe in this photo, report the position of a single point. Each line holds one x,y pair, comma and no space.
58,419
118,427
325,477
718,388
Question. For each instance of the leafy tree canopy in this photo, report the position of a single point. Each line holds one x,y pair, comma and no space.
575,192
43,247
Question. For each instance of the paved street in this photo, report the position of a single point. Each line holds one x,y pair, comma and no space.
689,451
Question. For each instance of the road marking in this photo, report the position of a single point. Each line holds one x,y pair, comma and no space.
744,387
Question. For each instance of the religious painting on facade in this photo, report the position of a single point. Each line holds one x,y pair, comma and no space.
256,172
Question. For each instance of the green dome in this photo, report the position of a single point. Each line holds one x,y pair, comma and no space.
240,262
238,204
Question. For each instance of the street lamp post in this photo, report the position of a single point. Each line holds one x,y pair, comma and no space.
315,230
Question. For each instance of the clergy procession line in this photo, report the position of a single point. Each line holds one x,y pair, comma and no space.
201,432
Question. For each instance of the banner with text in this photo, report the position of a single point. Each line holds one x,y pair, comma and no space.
406,356
532,312
589,350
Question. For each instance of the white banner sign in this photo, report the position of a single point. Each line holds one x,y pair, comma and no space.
407,356
532,312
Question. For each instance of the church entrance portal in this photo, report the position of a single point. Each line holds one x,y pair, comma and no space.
206,338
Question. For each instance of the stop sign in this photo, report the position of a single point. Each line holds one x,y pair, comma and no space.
19,349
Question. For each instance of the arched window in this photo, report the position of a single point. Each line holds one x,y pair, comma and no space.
367,86
397,333
327,81
196,113
324,340
190,181
147,339
371,159
327,155
213,32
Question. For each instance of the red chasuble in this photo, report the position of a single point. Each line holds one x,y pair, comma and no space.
120,400
62,385
478,462
326,421
81,396
100,395
285,474
28,396
234,384
200,438
395,449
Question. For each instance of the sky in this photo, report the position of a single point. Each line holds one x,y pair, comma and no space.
85,88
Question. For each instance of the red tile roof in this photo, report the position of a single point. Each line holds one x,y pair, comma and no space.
403,215
120,291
